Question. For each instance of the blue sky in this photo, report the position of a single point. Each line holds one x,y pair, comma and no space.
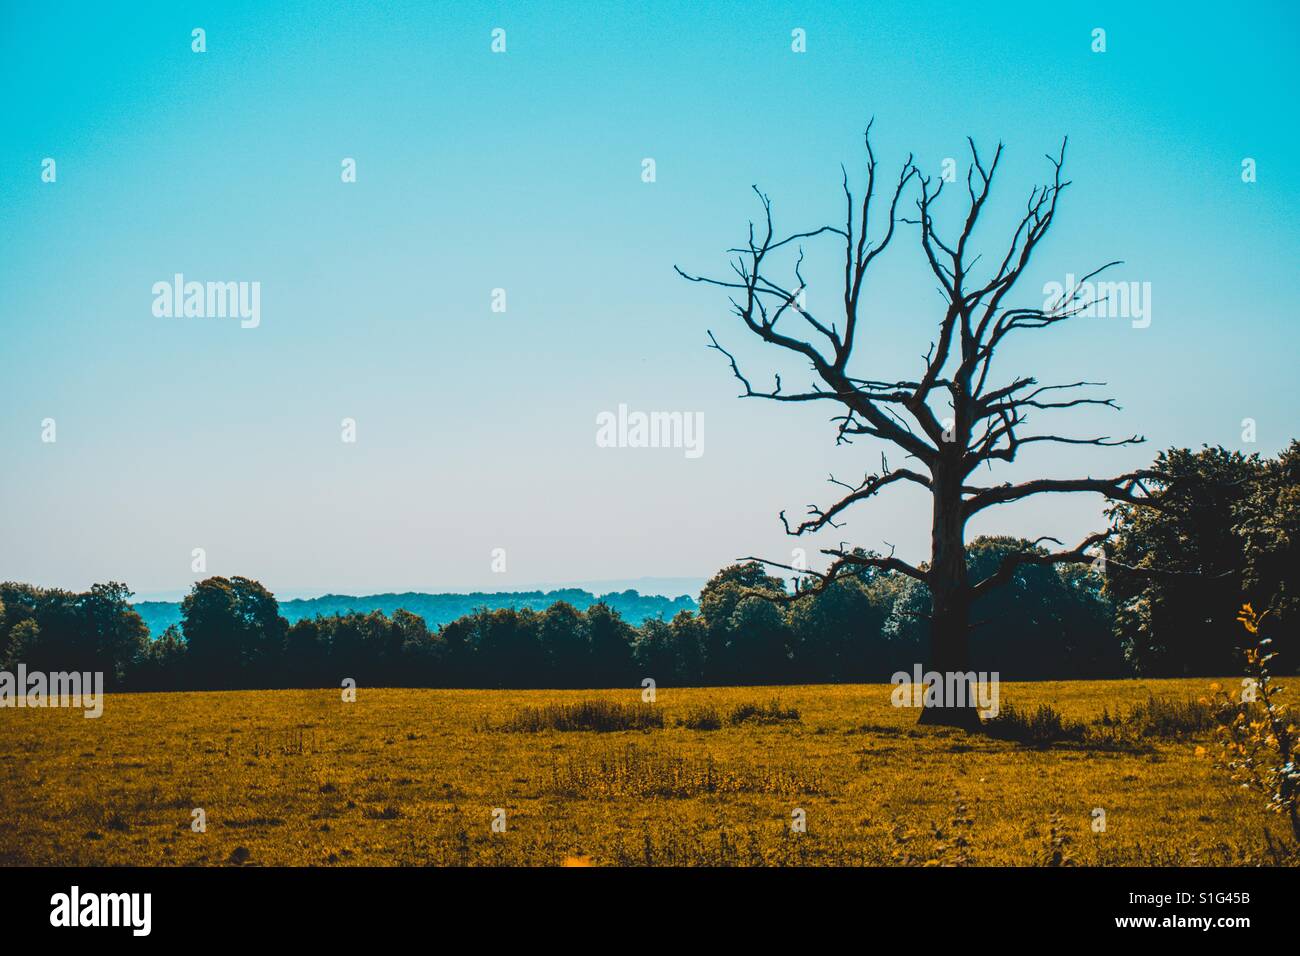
522,171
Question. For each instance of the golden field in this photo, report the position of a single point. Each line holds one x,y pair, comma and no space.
412,777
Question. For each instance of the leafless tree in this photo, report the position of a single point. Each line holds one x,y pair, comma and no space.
953,417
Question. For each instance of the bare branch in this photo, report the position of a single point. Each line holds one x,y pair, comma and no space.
981,423
1011,563
869,486
1121,488
839,569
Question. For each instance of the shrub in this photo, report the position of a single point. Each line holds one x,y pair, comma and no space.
1164,718
770,713
1257,739
702,718
1041,728
601,716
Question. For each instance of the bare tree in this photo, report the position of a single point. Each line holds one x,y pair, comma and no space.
977,422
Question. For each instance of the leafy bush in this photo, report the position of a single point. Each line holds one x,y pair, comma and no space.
1257,738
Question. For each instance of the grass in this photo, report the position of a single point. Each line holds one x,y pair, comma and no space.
701,717
640,772
602,716
705,776
768,713
708,717
1156,717
1166,718
1040,727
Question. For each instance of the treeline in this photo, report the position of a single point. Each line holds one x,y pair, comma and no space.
439,609
1161,603
232,635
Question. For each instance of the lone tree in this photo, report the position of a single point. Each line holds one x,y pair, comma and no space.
953,416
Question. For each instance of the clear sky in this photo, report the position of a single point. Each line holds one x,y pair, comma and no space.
523,171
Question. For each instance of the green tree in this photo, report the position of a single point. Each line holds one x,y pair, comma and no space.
653,652
235,633
306,648
1268,525
24,646
1046,621
760,638
415,654
508,651
115,633
458,650
837,633
163,665
51,629
1176,574
689,634
719,599
611,646
567,644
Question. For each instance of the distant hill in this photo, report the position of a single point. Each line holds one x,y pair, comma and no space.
439,609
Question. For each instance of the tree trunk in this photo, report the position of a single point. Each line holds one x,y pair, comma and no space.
950,607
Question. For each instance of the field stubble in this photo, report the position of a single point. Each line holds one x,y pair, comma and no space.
413,777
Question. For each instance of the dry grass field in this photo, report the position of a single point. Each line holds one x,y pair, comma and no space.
412,778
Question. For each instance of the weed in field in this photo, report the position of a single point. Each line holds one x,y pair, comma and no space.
635,772
704,717
601,716
1057,851
1163,717
1125,731
684,798
604,716
770,713
1039,728
697,844
239,856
